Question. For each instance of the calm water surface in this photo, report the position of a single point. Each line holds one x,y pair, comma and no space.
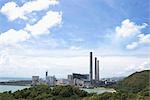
4,88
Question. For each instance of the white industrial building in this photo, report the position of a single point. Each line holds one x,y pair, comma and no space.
35,80
51,80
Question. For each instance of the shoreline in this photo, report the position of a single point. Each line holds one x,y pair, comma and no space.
17,83
14,88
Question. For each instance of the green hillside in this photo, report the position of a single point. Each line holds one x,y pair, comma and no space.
136,82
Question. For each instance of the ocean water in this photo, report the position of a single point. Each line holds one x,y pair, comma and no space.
4,88
4,79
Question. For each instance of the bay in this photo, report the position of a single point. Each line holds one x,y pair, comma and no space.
12,88
4,88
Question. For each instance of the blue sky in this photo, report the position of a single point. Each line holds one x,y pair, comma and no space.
33,32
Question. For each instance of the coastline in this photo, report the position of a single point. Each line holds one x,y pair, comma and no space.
4,88
14,88
17,83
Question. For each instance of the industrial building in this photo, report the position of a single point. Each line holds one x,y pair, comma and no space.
81,76
35,80
79,80
62,82
50,80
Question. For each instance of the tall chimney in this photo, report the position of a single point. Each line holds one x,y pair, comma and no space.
91,67
95,68
46,73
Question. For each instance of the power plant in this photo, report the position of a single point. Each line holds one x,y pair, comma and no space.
88,80
96,65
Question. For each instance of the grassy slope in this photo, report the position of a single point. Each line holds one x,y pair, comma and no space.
136,82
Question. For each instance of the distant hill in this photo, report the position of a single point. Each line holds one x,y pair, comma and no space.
136,82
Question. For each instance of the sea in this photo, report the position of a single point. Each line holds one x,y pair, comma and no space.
4,88
12,88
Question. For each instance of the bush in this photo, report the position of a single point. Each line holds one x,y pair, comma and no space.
66,91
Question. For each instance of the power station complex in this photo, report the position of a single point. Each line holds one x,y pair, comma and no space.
96,67
81,80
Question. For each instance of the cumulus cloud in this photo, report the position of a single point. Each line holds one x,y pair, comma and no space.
129,28
14,11
42,26
132,45
13,36
142,39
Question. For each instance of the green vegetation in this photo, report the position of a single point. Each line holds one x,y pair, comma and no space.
134,87
135,82
43,92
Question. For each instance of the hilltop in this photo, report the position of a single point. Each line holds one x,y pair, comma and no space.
135,82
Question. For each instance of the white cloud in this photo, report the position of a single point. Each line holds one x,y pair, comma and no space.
129,28
145,65
4,57
13,36
32,66
42,26
24,64
75,48
142,39
13,11
133,45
